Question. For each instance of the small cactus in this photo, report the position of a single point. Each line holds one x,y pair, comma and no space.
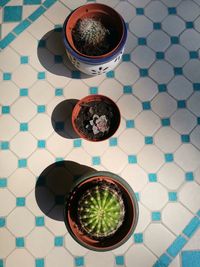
101,211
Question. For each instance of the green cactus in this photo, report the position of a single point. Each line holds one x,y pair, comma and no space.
101,211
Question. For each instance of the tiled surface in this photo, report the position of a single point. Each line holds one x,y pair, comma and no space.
156,149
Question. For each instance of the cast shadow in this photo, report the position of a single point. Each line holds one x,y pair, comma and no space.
54,183
61,119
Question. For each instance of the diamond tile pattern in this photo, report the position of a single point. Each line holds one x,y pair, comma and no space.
156,148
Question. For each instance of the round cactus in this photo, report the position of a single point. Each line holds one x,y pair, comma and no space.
101,211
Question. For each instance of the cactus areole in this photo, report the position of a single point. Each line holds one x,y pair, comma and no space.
100,213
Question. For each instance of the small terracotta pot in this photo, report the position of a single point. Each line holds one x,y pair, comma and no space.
130,218
97,98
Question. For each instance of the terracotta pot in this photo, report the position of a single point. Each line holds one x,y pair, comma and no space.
128,225
115,122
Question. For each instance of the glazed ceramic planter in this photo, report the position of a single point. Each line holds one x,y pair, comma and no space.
95,65
87,124
101,211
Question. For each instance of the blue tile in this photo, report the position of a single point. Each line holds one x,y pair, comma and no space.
198,213
146,105
162,88
58,59
39,221
7,76
59,159
5,109
58,241
37,13
93,90
4,2
2,222
174,40
42,43
79,261
189,24
144,72
130,124
163,261
152,177
24,127
176,246
24,59
178,71
181,104
140,11
132,159
23,92
41,144
20,201
172,196
39,262
165,122
127,89
19,241
96,160
1,263
7,40
156,216
58,27
58,92
138,238
32,2
113,141
126,57
142,41
48,3
198,120
12,14
41,75
77,143
185,138
160,55
193,54
157,25
189,176
192,226
3,182
76,74
41,108
21,26
190,258
137,195
110,74
4,145
148,140
119,260
196,86
171,10
22,163
169,157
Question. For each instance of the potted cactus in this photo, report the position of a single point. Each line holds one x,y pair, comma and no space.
94,36
101,211
95,118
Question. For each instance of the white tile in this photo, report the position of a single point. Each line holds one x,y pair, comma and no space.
143,56
21,182
197,175
175,262
123,248
65,259
188,10
139,256
52,13
193,103
197,24
37,31
164,105
187,156
40,126
20,221
41,92
143,220
158,40
154,196
20,257
173,25
74,155
95,148
58,79
28,10
191,70
129,106
139,3
24,81
7,207
7,28
121,128
147,122
126,72
93,80
194,242
119,162
106,260
189,195
181,217
53,103
156,11
55,226
180,88
190,39
9,127
8,93
167,139
71,92
153,241
54,43
25,44
141,26
9,53
150,158
183,121
8,163
131,141
145,89
195,137
18,147
58,146
126,10
111,3
46,59
21,105
135,176
73,4
161,71
131,42
111,88
8,241
171,176
73,247
39,242
177,55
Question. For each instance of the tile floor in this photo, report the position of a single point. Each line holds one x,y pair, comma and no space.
156,149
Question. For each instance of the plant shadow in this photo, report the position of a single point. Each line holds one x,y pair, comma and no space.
54,183
61,119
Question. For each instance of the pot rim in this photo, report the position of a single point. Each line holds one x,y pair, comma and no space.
128,190
84,99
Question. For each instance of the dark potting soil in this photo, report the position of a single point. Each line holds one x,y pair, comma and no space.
88,113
